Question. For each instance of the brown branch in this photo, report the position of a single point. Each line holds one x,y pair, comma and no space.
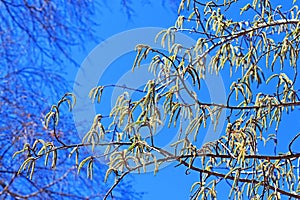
170,157
114,185
225,176
289,104
244,32
266,157
243,180
213,4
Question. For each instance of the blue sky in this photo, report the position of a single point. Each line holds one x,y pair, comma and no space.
170,182
115,62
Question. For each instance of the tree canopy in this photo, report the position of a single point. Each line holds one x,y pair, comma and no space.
36,39
257,50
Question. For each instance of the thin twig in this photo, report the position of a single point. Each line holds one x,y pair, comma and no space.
114,185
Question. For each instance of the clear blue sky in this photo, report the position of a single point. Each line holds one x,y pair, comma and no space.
170,182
